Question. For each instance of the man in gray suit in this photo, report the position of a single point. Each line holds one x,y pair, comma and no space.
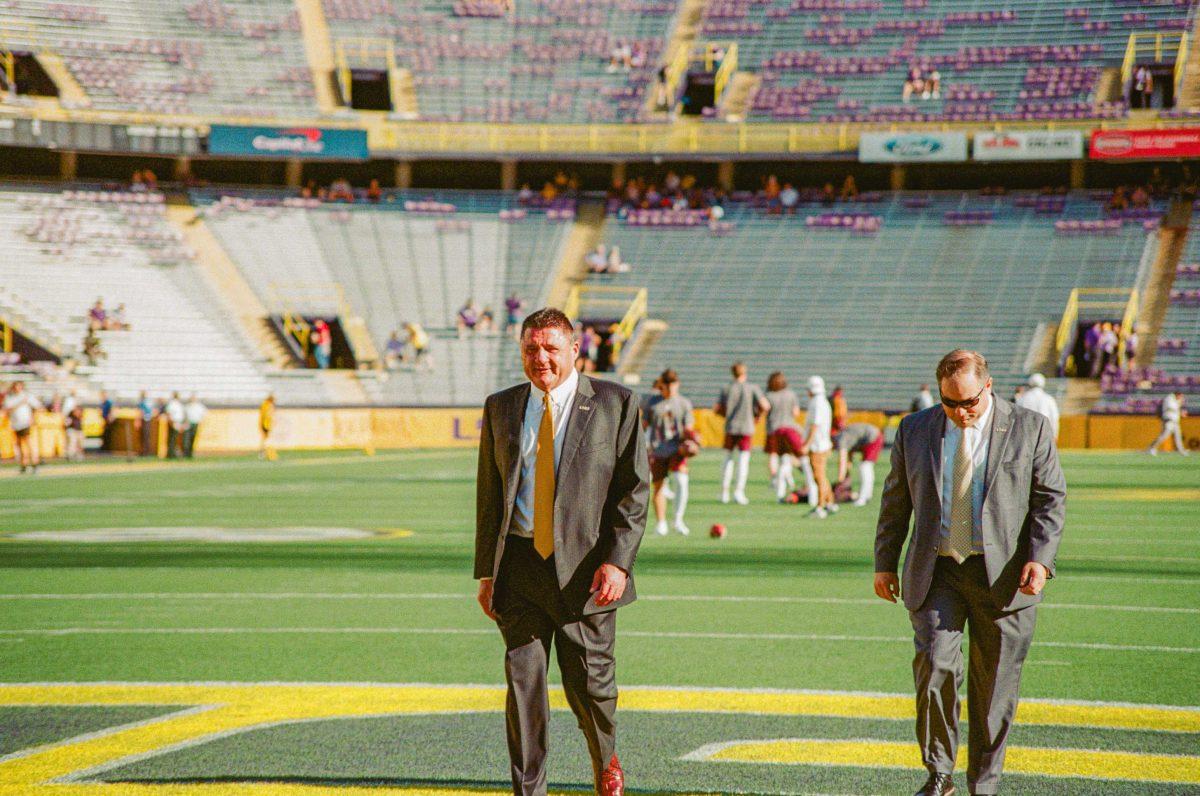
980,478
561,507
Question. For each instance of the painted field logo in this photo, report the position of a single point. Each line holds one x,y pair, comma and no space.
913,146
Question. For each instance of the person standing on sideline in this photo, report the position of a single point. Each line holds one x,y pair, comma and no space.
981,482
672,426
740,404
818,443
177,420
194,413
145,424
867,441
107,408
784,440
266,421
1171,413
1040,401
554,565
19,405
923,399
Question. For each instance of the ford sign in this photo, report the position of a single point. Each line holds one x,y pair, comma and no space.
912,147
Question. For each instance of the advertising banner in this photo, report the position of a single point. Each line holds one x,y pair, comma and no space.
288,142
912,147
1129,144
1035,145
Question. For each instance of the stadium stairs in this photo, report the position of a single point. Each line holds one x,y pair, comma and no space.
1189,95
688,18
70,93
586,233
318,47
1156,298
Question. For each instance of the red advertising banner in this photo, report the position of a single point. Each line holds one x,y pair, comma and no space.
1183,142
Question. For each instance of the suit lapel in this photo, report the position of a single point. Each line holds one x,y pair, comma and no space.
581,414
515,420
997,441
937,430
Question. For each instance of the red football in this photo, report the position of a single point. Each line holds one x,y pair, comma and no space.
717,531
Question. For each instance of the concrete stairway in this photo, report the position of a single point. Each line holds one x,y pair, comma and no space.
1156,297
70,92
739,97
318,45
585,234
687,26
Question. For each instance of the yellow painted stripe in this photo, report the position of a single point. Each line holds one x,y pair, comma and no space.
1137,494
1023,760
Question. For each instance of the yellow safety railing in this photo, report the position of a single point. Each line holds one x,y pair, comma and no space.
629,303
676,69
286,298
725,72
6,336
1155,47
1092,300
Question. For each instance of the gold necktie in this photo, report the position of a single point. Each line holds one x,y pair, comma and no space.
543,484
959,544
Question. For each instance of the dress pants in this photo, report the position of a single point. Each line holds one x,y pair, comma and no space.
532,616
998,643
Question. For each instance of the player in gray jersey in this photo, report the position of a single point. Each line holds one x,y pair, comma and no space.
740,404
670,425
866,440
785,440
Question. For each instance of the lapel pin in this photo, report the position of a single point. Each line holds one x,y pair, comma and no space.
584,408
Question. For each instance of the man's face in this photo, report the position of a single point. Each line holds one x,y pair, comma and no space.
966,386
548,356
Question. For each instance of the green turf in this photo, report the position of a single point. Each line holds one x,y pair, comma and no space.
1141,555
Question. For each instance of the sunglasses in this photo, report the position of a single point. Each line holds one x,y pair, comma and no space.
967,404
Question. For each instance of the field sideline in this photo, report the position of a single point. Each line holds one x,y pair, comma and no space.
761,663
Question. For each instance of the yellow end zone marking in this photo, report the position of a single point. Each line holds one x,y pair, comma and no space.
1091,763
393,533
230,708
1137,494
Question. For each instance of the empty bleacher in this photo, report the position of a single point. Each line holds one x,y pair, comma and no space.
873,311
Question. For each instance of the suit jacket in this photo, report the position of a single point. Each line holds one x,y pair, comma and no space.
602,485
1024,502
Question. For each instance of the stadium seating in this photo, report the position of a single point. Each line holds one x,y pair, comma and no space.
846,60
418,257
65,249
214,57
870,308
546,60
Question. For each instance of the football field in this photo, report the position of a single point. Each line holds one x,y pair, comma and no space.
309,626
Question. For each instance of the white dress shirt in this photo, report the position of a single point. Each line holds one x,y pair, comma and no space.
562,398
817,422
977,443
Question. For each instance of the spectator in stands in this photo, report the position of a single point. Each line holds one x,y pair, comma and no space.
393,352
828,196
923,399
487,321
849,189
97,315
1171,413
1106,350
467,318
933,85
841,413
194,413
266,422
1119,200
770,194
620,58
374,192
1131,347
1140,198
789,198
322,343
137,184
93,352
616,265
20,406
177,425
1040,401
1143,88
549,192
589,344
913,84
867,441
817,443
418,339
597,259
514,314
1091,350
715,214
117,319
740,403
340,191
525,195
1157,184
145,424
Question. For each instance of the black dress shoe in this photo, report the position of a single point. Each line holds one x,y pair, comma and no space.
937,785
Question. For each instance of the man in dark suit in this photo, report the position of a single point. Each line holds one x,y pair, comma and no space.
980,478
561,507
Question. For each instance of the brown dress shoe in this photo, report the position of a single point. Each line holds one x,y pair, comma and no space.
612,781
937,785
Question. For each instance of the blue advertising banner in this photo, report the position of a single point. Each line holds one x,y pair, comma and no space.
912,147
288,142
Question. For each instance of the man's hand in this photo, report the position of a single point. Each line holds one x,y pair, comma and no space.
485,598
887,586
608,584
1033,578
